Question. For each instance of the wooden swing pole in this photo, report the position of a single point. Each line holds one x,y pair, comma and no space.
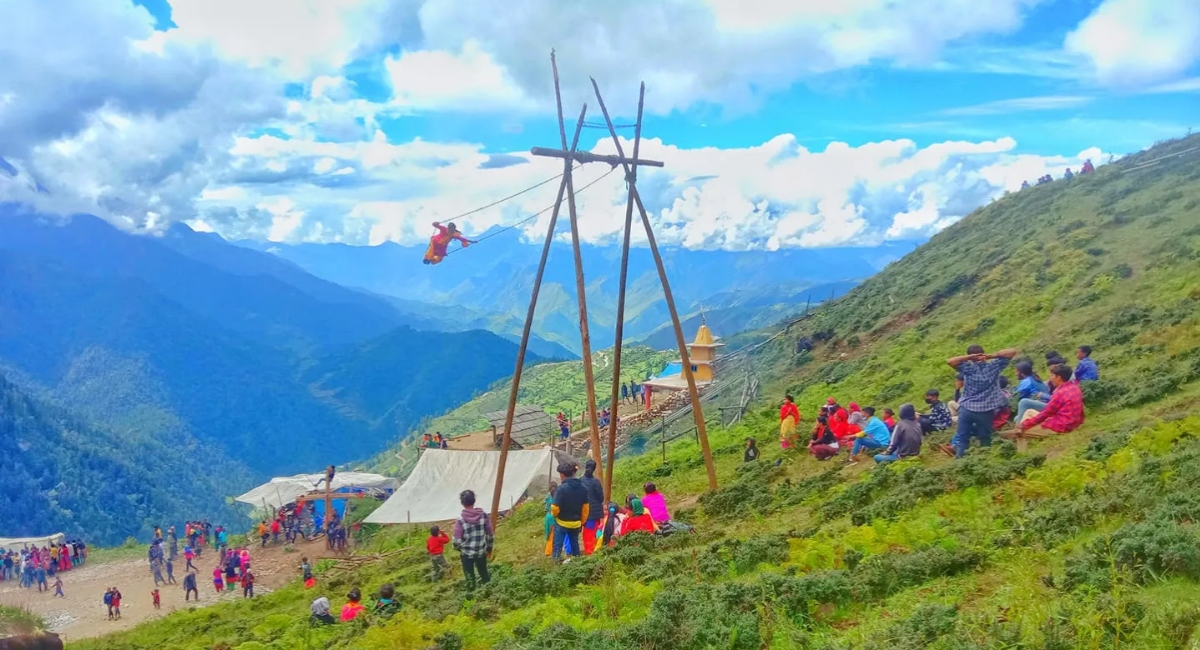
684,357
584,335
620,329
533,299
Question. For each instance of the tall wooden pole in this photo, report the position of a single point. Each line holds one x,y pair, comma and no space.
620,333
506,442
584,336
684,357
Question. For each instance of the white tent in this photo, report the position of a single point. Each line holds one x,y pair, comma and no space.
431,493
21,542
283,490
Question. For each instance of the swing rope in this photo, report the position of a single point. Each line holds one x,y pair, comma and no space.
531,217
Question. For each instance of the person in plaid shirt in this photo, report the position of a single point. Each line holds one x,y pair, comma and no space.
473,537
981,396
1064,411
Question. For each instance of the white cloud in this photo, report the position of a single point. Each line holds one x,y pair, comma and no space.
1133,42
466,80
1020,105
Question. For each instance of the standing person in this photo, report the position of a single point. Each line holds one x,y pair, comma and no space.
189,587
436,545
624,393
306,573
548,520
170,572
108,596
570,510
276,528
473,538
116,603
248,584
39,574
789,419
58,587
751,453
263,533
157,600
595,499
981,396
218,579
189,555
173,541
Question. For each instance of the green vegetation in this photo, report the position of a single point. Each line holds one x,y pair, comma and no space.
1088,540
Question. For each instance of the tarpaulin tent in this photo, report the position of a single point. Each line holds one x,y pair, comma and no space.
431,492
283,490
22,542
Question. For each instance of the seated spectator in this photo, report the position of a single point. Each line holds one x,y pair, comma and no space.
1003,413
824,445
889,418
655,503
320,612
938,418
638,519
751,450
1064,411
353,606
906,439
386,604
959,382
1086,369
875,435
1032,392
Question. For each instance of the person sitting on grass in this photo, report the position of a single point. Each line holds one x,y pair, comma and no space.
1032,392
875,435
320,611
889,418
639,519
386,604
824,445
353,606
655,503
906,438
938,418
751,450
1064,412
1086,369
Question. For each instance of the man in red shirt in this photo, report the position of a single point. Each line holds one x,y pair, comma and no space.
1064,412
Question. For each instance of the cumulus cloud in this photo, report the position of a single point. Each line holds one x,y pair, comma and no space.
1134,42
775,195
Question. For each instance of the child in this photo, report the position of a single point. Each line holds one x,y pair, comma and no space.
889,418
435,545
157,600
548,524
108,598
751,450
189,555
248,584
116,603
306,573
218,579
58,587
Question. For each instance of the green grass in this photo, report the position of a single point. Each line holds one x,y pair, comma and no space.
1088,540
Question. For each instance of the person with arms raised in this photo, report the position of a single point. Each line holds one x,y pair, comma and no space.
981,396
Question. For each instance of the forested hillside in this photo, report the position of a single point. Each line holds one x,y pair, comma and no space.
1085,540
58,474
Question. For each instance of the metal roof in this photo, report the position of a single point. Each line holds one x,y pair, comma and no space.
530,423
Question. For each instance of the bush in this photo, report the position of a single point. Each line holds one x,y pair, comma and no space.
751,490
1142,551
882,575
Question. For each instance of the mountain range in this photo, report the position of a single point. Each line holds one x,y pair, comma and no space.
487,285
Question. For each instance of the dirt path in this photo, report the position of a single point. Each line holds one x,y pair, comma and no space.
81,614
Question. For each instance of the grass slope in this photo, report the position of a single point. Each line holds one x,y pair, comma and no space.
1087,541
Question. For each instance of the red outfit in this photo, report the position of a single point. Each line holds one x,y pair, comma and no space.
1064,411
440,241
839,422
436,545
642,522
789,408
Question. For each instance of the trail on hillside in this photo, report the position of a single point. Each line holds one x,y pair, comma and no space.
82,614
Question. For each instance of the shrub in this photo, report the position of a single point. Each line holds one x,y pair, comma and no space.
751,490
1142,551
880,576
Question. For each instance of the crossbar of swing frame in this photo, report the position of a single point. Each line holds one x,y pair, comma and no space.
589,157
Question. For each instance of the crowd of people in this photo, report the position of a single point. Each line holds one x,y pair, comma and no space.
435,441
983,404
41,566
1087,168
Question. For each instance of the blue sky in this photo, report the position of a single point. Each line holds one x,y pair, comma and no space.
807,123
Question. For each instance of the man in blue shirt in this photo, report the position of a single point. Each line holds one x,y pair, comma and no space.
875,435
981,396
1086,369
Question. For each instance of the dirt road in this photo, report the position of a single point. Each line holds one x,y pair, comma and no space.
82,614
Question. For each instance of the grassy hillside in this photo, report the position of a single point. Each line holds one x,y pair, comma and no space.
1089,540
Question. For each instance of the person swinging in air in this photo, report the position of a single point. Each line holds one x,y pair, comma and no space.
441,240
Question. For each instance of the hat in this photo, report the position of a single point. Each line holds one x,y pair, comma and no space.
831,401
853,406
